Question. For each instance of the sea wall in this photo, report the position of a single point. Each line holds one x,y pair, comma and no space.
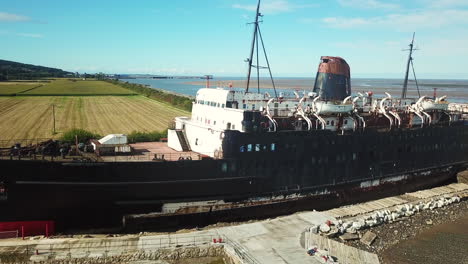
169,254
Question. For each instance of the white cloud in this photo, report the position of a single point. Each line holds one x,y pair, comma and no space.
274,6
428,19
444,3
368,4
30,35
7,17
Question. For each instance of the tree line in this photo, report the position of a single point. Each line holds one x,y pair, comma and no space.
10,70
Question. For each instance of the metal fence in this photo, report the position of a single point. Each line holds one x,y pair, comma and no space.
151,156
23,141
9,234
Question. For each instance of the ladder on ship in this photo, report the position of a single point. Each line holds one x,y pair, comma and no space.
183,140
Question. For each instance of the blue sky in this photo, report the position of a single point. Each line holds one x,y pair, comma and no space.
185,37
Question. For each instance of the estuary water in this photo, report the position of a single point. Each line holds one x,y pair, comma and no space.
456,90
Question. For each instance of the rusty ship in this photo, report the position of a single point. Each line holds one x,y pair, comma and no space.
245,154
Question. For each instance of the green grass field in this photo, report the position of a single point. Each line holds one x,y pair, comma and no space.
78,87
97,106
12,88
30,117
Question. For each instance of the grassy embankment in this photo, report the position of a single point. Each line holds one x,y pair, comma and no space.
96,106
179,101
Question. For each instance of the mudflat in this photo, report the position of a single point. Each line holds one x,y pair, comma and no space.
443,243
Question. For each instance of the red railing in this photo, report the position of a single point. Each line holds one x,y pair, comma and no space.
29,228
9,234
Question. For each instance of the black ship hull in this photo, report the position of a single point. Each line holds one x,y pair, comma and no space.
265,175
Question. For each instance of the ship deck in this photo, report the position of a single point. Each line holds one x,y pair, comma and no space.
145,151
154,151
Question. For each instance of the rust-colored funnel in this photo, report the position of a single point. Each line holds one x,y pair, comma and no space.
333,79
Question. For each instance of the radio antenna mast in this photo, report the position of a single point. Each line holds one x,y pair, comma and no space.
410,61
254,47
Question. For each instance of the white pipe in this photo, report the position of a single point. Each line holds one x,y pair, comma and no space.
296,94
314,107
440,98
309,123
346,99
383,111
397,117
420,116
275,124
362,120
420,100
268,105
428,117
322,121
389,119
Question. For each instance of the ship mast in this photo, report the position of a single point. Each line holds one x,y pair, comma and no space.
254,46
410,59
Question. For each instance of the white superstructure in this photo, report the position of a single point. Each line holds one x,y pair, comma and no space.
216,110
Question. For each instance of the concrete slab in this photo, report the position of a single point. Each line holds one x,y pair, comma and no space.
443,190
39,258
368,238
276,240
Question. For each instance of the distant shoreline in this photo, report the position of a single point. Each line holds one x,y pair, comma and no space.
455,90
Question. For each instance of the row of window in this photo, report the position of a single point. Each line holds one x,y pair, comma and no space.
209,103
258,147
208,122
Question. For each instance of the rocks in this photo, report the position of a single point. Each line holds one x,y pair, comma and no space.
324,228
333,232
368,238
407,227
429,222
379,217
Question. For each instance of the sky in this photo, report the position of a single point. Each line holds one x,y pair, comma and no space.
186,37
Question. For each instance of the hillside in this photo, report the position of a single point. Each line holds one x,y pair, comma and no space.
10,70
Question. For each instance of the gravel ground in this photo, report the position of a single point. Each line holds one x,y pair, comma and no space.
391,235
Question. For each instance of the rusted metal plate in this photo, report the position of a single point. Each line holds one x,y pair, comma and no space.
334,65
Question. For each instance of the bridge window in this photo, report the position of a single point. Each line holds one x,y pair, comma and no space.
257,147
249,148
244,106
242,148
273,147
222,106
